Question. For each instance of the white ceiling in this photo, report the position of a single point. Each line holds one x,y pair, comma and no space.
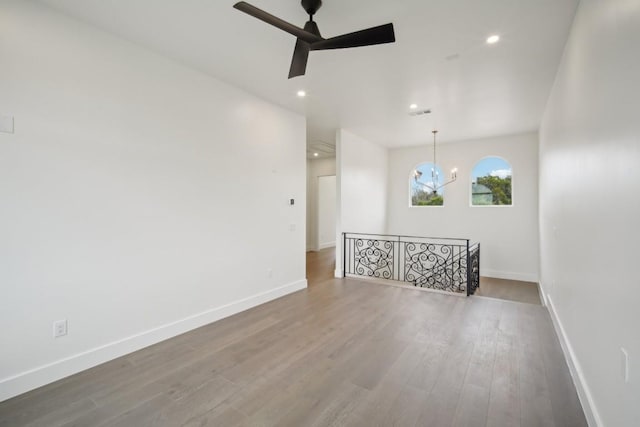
440,59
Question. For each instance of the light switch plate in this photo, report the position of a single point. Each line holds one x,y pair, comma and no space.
6,124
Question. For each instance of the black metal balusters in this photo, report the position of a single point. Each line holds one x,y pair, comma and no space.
436,263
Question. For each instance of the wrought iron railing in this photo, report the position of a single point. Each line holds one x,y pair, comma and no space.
451,265
473,272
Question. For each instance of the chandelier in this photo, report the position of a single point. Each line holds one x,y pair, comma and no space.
435,185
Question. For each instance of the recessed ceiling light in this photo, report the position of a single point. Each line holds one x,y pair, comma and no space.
302,94
413,106
315,154
493,39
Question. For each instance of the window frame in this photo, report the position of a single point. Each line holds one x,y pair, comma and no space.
471,178
411,178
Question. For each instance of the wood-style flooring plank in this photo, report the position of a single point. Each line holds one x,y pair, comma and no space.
561,390
472,407
535,399
221,415
504,393
442,401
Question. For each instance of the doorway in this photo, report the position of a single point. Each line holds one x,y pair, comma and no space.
326,211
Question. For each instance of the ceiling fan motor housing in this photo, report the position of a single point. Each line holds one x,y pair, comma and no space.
311,6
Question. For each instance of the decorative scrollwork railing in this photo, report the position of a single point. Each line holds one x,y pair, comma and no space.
450,265
374,258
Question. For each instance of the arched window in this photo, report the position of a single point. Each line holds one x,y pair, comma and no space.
422,185
491,183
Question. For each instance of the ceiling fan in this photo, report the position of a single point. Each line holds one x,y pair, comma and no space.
309,38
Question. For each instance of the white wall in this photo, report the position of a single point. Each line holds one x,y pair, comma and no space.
508,235
315,169
590,206
125,202
362,188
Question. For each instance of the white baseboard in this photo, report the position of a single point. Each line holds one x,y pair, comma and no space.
542,293
337,274
326,245
42,375
584,393
509,275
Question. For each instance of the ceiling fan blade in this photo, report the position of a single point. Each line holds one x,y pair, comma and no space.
277,22
371,36
299,60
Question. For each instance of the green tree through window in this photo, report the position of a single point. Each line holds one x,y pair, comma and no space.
491,183
421,183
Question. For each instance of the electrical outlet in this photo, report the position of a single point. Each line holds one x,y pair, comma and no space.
59,328
624,365
269,273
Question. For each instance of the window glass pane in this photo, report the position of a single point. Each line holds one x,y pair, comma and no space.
491,183
422,186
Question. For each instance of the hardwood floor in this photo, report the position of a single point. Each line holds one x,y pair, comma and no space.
342,352
320,266
511,290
